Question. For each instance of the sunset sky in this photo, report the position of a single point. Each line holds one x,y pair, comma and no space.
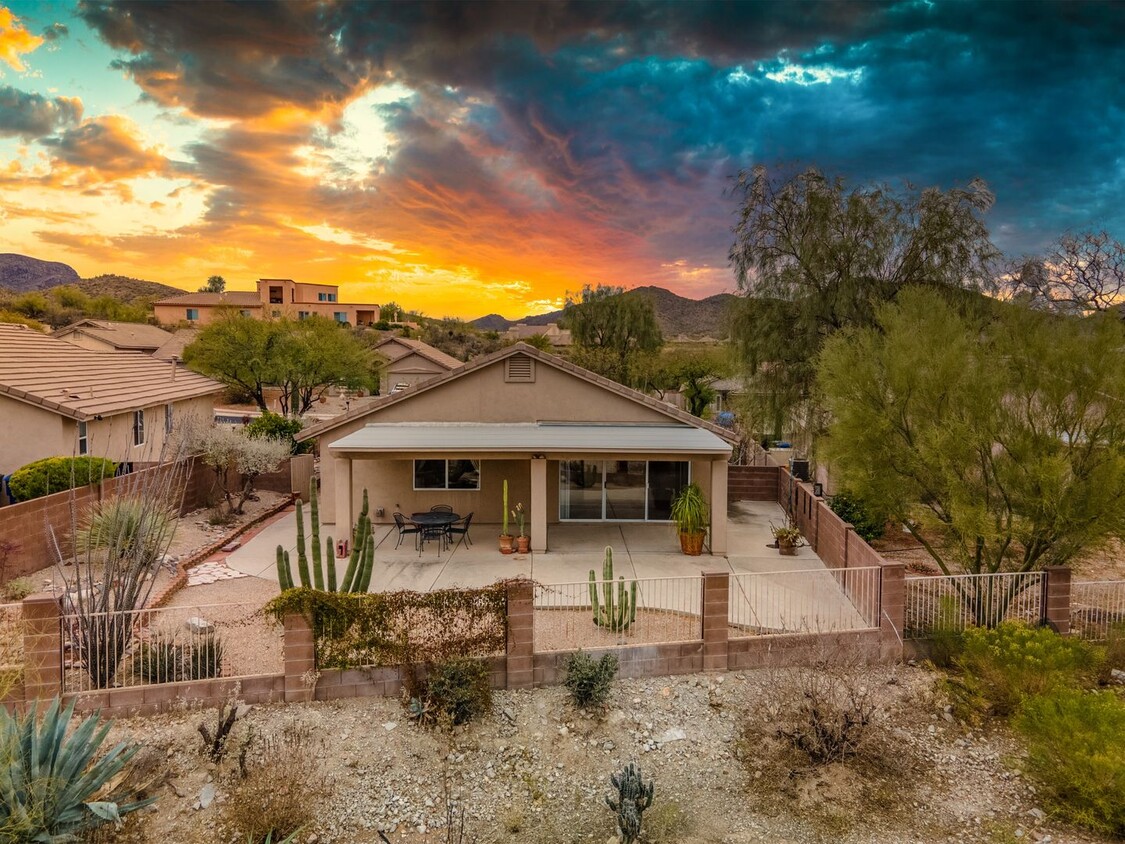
463,159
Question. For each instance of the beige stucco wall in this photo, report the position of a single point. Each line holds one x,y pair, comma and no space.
85,341
410,369
28,433
173,315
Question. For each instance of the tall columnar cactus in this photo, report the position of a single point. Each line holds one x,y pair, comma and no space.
357,578
360,565
633,797
504,532
615,615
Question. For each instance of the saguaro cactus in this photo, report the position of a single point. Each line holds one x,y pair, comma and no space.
633,797
615,615
360,565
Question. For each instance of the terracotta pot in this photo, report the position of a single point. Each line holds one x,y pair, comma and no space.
506,546
692,543
786,549
523,544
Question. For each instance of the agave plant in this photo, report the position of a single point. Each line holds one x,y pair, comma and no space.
50,785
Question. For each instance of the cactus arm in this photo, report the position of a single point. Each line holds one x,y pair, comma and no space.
314,516
505,530
633,602
330,563
302,558
349,575
368,564
594,598
284,576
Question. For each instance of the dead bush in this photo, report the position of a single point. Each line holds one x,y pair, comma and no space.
279,789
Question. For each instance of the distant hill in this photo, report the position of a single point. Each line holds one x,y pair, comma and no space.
127,290
20,273
676,315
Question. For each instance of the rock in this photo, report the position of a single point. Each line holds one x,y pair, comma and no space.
199,625
1117,676
233,545
390,725
670,735
206,795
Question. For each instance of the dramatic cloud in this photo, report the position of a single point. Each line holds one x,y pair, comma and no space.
112,146
15,40
29,116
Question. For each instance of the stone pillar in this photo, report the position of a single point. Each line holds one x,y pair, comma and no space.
538,504
1055,612
344,503
719,507
521,634
716,625
299,657
42,648
892,609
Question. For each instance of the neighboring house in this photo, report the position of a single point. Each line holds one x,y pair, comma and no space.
173,348
410,362
275,297
573,446
57,399
557,336
104,336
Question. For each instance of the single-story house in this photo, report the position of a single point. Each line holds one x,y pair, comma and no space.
173,347
573,447
105,336
57,399
411,362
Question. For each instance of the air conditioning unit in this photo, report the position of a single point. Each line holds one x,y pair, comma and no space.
800,469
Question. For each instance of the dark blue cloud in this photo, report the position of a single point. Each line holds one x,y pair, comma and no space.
29,115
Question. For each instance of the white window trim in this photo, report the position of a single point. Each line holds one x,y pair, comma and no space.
83,438
139,416
447,487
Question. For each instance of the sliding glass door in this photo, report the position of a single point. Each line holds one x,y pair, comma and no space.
620,490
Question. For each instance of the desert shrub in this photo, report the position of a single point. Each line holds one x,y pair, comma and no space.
274,426
160,661
666,822
18,589
589,682
1114,653
130,525
1000,667
1076,748
280,791
458,690
204,659
946,638
58,474
55,786
868,522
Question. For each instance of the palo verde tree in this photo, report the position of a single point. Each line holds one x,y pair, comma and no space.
998,440
610,328
215,284
814,256
240,351
1079,274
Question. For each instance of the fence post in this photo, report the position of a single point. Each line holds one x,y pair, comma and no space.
1055,608
299,657
521,634
892,608
716,620
42,647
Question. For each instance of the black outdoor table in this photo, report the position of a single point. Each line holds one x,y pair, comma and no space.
431,522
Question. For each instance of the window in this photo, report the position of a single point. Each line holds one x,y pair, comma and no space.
245,312
83,441
138,427
192,314
446,474
340,316
326,297
620,490
168,419
302,314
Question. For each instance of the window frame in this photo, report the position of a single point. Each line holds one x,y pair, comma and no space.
138,427
192,314
83,438
447,488
169,418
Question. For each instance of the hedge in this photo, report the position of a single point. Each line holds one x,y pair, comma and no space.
58,474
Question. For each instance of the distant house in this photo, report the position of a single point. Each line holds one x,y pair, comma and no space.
104,336
178,340
557,336
58,399
275,297
410,362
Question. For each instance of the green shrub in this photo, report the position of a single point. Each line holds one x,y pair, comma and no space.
58,474
589,682
1076,748
51,787
205,658
868,523
947,636
458,690
1114,653
1002,666
274,426
160,661
18,589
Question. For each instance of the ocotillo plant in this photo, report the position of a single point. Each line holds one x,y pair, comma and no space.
614,615
357,578
633,797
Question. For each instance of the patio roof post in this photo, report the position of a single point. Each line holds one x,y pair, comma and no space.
343,467
538,504
718,506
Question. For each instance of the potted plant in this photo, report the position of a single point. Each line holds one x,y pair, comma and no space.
788,539
505,537
523,541
692,516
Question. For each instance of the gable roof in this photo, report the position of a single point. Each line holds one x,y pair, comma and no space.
419,348
120,335
230,299
545,358
80,384
174,346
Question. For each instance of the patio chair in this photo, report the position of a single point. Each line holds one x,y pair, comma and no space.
441,508
437,532
461,528
404,528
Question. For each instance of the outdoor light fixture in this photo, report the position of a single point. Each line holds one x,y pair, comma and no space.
818,490
539,457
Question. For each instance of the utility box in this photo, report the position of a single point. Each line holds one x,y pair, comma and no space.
800,469
342,548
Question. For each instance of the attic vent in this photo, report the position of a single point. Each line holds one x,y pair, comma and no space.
520,369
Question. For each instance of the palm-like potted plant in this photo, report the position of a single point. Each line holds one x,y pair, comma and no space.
523,541
788,539
692,517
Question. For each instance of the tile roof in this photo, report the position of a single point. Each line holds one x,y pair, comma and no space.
121,335
230,299
80,384
174,346
424,349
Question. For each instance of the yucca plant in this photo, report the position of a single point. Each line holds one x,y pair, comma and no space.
51,786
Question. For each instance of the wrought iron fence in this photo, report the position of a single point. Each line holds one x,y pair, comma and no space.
667,609
1097,607
805,601
167,645
954,602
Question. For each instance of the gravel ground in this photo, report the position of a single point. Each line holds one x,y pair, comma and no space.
535,770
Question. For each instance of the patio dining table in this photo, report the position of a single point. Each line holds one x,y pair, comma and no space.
433,524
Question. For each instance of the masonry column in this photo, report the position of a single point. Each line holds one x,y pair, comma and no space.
299,657
521,634
343,470
538,504
42,648
892,609
718,506
716,627
1056,598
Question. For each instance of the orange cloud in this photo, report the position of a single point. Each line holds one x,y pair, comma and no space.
15,40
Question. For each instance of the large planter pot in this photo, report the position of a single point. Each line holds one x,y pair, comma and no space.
506,543
786,549
692,543
523,544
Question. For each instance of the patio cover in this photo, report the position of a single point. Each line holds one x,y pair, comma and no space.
466,437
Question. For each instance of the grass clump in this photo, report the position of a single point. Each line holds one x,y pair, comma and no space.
1076,749
17,590
588,681
458,691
